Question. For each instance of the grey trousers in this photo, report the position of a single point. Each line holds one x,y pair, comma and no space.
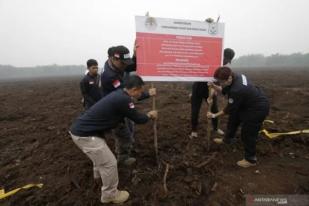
104,163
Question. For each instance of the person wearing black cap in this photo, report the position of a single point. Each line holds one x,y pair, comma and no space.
112,79
228,56
90,85
110,51
88,131
118,63
200,91
247,106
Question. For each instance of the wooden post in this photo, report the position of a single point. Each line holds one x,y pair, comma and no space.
164,178
155,134
209,122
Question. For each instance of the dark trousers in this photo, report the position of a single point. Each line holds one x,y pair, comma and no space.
87,103
124,139
87,106
200,93
251,123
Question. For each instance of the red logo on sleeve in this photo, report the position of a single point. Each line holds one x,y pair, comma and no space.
116,83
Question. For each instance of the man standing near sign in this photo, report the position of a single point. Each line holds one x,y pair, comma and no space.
112,79
88,131
247,106
200,91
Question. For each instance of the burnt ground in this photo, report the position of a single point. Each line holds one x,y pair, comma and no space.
35,147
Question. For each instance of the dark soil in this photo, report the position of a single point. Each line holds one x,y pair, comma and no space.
35,147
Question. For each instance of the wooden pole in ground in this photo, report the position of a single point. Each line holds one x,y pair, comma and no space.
209,122
155,134
164,178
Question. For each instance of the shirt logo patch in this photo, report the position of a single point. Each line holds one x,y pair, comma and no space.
91,82
116,83
244,80
131,105
126,56
231,101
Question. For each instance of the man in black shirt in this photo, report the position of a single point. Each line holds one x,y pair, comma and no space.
118,63
247,106
90,85
200,92
88,130
112,78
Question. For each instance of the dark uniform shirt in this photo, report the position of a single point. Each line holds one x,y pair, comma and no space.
200,89
244,98
106,114
113,79
90,89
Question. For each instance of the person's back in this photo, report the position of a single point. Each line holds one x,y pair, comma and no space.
250,97
107,114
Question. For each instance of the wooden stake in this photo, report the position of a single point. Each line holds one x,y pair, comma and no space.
202,164
164,178
209,122
155,134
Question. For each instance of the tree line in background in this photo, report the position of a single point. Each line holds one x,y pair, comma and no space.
277,61
10,72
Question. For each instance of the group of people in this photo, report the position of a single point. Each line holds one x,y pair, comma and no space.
108,99
247,106
109,107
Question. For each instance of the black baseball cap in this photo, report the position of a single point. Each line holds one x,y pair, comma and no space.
122,53
110,51
229,54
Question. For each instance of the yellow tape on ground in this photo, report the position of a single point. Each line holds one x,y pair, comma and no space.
277,134
4,195
268,121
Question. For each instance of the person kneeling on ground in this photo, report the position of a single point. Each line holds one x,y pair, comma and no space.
88,130
247,106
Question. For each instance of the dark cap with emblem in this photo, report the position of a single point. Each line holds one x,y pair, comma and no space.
110,51
122,53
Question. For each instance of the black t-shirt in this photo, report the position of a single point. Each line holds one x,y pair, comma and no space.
112,79
243,96
90,89
200,90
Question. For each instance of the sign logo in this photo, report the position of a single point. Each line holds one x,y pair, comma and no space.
213,28
151,23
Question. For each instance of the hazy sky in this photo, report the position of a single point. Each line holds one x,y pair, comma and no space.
40,32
